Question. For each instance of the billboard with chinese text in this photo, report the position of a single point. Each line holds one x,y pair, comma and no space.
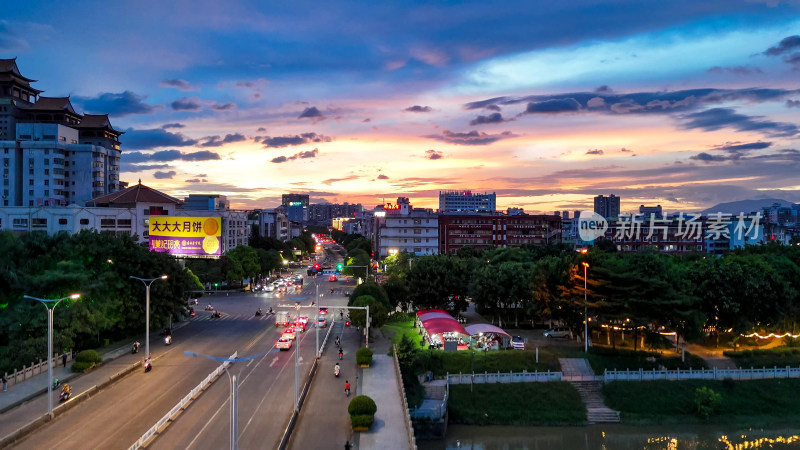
193,237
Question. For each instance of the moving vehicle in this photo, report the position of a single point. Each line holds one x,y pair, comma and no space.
321,322
558,332
281,318
323,311
289,333
66,393
283,344
168,339
209,308
336,370
332,278
216,315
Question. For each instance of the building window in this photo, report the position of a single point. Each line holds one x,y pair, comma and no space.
20,223
84,221
108,223
62,221
38,222
124,223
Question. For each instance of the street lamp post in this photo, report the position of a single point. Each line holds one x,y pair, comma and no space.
234,391
50,344
147,282
585,312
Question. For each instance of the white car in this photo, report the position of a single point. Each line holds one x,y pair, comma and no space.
269,288
558,332
283,344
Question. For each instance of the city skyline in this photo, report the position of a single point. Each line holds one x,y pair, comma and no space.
683,106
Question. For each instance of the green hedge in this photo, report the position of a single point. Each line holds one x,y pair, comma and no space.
765,357
81,366
90,356
364,356
362,405
601,358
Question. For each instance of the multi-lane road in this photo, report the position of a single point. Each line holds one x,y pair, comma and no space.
118,415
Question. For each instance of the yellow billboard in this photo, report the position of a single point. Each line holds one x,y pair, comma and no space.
194,237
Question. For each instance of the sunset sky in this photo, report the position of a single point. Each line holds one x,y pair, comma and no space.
679,103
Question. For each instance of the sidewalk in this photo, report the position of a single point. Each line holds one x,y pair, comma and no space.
380,382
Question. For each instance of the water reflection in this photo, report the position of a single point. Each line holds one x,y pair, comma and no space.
614,437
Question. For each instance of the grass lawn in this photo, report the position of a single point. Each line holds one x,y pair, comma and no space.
553,403
773,357
601,358
753,403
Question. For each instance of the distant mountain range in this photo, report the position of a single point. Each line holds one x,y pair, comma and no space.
746,206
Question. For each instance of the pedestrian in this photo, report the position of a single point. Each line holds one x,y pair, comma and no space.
5,384
347,387
64,360
347,445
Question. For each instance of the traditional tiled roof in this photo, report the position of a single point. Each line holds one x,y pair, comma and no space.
53,104
10,72
137,193
97,121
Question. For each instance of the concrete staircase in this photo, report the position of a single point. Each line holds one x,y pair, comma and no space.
596,410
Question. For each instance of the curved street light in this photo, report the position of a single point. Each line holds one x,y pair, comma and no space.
147,282
55,302
585,315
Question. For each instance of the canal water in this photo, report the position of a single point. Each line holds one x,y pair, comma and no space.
615,437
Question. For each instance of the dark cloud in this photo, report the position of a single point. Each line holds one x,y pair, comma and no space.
793,103
471,138
554,106
164,175
152,138
287,141
433,154
737,147
179,84
167,126
140,167
594,151
793,59
122,104
261,129
300,155
491,118
223,106
186,104
367,120
706,157
785,45
216,141
311,113
625,150
668,102
418,108
383,177
603,89
169,155
738,70
718,118
201,175
196,180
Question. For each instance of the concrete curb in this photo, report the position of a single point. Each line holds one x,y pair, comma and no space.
287,434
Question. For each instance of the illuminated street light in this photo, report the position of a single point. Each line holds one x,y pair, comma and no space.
585,315
44,302
147,282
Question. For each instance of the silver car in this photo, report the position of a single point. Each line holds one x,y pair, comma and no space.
558,332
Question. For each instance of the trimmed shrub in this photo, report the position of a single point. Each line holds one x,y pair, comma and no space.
89,356
362,405
361,421
81,366
364,356
706,402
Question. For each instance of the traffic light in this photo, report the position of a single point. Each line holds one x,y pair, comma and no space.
316,267
339,267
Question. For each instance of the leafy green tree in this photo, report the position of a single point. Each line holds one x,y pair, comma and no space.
378,312
244,263
438,281
371,289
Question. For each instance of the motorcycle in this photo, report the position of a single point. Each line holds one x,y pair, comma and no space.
65,395
167,339
135,348
209,308
216,315
270,310
147,365
258,313
336,371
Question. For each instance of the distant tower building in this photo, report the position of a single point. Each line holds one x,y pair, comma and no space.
647,210
296,207
607,207
557,213
564,215
466,202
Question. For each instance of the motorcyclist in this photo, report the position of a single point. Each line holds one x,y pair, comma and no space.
270,309
338,344
136,346
66,389
258,313
336,369
340,353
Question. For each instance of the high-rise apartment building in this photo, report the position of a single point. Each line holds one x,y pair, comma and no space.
51,154
323,213
466,202
296,206
656,211
607,207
